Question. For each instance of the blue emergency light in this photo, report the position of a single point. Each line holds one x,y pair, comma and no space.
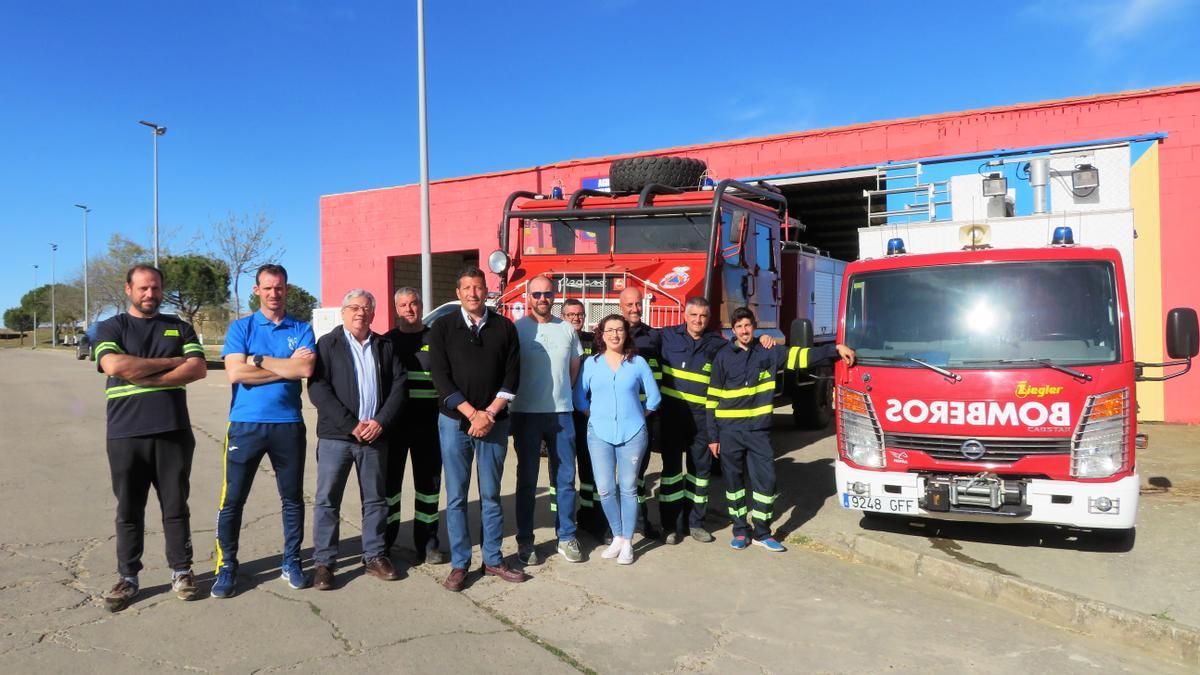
895,246
1063,236
556,192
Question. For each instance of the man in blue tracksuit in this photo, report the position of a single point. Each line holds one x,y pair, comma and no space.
266,355
741,396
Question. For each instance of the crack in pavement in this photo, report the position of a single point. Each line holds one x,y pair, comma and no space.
359,651
65,640
336,630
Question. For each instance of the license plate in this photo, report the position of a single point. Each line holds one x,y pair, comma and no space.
881,504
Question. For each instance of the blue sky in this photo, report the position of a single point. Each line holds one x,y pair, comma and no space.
271,104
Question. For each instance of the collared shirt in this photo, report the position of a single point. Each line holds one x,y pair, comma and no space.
364,373
616,414
273,402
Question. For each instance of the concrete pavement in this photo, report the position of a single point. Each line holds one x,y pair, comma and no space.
690,607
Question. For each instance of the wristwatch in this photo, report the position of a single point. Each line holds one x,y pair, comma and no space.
258,358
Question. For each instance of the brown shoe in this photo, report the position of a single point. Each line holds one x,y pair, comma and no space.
381,567
505,572
322,578
457,580
119,596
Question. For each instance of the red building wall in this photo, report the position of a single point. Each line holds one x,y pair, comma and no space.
361,230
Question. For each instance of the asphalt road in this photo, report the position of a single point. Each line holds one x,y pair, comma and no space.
691,607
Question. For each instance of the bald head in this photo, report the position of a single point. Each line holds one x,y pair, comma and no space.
631,305
539,297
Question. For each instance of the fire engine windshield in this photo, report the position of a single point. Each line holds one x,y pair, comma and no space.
979,316
660,234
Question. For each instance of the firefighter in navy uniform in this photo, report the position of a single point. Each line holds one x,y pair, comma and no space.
687,351
646,339
416,434
588,517
740,404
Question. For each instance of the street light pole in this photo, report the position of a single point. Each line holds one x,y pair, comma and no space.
53,315
158,131
426,251
87,308
35,269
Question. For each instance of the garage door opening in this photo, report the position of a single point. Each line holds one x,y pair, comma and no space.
831,207
406,271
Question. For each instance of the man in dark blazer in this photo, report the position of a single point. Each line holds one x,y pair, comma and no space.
358,388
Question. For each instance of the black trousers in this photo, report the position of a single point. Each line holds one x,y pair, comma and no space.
589,515
163,461
652,426
683,496
416,434
747,454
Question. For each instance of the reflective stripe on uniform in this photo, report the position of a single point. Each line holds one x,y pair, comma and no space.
763,499
683,396
420,375
761,516
698,482
193,348
797,358
133,389
732,496
685,375
393,500
422,393
737,513
426,498
429,518
744,391
746,412
108,347
696,499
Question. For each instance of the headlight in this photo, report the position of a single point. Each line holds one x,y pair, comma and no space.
1100,448
498,261
862,440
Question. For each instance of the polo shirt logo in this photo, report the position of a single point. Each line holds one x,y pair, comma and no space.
171,332
292,342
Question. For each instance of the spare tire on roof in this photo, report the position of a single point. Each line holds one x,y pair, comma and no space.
635,173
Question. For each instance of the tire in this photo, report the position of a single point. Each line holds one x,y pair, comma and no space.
631,175
812,406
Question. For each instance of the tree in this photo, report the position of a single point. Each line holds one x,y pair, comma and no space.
300,303
19,320
192,282
244,243
106,282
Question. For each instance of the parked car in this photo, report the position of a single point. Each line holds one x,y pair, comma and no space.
83,345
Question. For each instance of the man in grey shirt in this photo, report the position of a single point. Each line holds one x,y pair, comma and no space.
542,413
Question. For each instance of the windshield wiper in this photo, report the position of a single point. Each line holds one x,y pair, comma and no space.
937,369
1045,363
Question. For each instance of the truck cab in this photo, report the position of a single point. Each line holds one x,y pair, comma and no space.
994,385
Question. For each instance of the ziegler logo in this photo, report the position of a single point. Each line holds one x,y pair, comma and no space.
1025,391
979,413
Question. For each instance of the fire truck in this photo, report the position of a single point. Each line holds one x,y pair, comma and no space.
995,384
666,228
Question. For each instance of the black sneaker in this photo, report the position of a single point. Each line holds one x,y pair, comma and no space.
119,596
434,555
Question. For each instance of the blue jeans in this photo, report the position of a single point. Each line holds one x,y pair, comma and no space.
334,459
458,450
557,430
622,460
245,445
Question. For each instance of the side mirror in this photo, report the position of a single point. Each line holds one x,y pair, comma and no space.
802,333
1183,334
737,224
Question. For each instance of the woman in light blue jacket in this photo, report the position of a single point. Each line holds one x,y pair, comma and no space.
607,391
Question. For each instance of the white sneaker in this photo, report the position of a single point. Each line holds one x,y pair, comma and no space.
614,549
626,557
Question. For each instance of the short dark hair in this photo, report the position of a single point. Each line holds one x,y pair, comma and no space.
742,313
143,267
572,302
628,348
471,271
273,270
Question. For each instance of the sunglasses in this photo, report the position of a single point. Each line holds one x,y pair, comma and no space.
538,295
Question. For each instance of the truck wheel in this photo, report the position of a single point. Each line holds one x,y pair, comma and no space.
635,173
812,406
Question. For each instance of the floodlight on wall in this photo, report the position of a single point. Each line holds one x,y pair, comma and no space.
1085,179
995,185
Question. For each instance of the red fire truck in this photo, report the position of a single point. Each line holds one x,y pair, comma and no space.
663,230
995,385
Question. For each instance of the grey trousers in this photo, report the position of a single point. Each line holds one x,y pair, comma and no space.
334,459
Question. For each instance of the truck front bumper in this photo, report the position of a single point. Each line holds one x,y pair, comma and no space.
1109,505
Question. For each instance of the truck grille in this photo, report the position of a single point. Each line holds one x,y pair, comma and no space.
949,448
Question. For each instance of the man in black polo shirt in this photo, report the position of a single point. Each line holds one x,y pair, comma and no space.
148,358
474,360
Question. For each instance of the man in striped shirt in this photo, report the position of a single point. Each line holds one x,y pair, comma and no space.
148,358
741,395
